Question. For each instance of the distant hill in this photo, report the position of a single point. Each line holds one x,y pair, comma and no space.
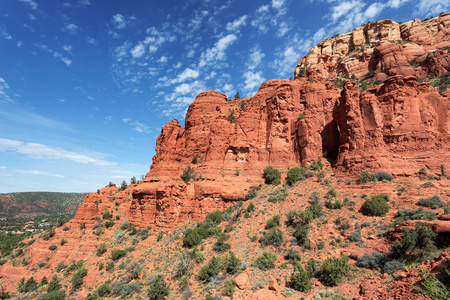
32,204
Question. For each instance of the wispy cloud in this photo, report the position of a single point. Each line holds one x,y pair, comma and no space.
72,28
236,24
432,7
218,52
40,173
139,127
4,96
4,33
44,152
58,55
119,21
30,3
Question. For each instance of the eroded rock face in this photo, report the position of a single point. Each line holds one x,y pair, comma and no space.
383,48
288,123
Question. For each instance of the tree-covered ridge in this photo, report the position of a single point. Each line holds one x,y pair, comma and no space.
29,204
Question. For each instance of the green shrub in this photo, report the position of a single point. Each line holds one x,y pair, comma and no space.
231,263
266,261
300,280
375,206
197,255
365,177
418,214
382,176
214,218
120,288
272,176
29,286
293,256
312,268
250,207
433,202
188,174
435,288
391,266
415,243
231,118
220,245
316,165
377,260
333,270
118,254
107,215
158,289
273,222
296,174
191,238
210,270
301,234
52,247
278,195
274,237
228,287
104,290
101,249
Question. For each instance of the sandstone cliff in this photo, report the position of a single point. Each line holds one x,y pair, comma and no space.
288,123
383,48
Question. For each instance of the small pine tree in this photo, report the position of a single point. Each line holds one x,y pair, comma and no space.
300,280
159,289
237,96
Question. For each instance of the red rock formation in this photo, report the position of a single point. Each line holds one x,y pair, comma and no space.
383,48
293,122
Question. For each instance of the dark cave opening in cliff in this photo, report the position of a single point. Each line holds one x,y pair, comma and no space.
330,141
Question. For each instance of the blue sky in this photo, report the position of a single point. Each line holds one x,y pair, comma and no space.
86,85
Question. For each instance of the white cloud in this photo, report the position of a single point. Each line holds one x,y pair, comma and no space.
72,28
163,59
91,41
279,6
44,152
255,58
430,8
343,9
138,50
85,2
68,48
283,29
3,91
218,52
187,74
40,173
30,3
252,81
139,127
4,33
55,54
119,21
236,24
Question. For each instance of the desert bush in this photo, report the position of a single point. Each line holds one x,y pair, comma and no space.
382,176
266,261
293,256
52,247
274,237
272,176
392,265
228,287
433,202
374,260
183,265
101,249
56,295
300,280
77,278
158,289
209,270
435,288
231,263
191,238
197,255
107,215
375,206
316,165
187,174
29,285
220,244
104,290
273,222
301,234
365,176
418,214
278,195
118,254
296,174
333,270
250,207
312,268
414,242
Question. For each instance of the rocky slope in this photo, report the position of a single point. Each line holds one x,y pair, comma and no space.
400,125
